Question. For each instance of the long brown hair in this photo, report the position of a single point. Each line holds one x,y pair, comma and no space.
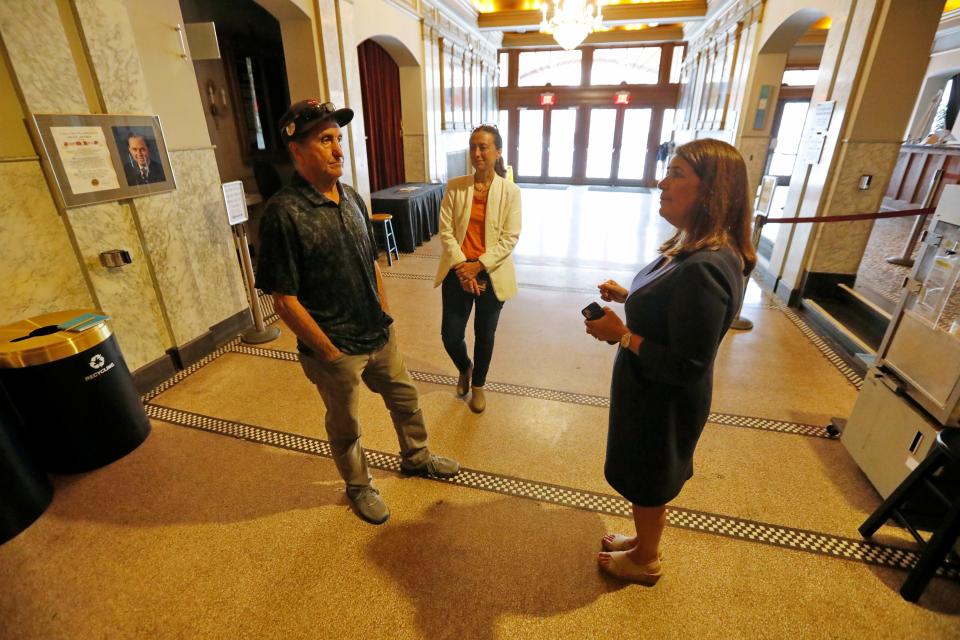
498,167
723,214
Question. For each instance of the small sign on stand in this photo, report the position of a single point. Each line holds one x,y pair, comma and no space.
236,200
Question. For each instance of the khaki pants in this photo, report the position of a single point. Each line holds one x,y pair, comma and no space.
339,384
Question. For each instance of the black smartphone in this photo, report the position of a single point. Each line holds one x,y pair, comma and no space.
592,311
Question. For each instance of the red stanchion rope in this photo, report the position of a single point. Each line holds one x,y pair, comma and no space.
853,216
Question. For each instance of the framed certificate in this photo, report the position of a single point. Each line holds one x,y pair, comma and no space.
95,158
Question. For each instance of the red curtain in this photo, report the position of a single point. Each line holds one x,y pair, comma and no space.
380,85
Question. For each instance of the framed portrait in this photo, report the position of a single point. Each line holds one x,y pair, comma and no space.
95,158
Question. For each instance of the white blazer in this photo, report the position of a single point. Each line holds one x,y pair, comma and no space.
500,234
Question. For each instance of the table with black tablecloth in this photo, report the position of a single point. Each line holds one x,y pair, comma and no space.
415,207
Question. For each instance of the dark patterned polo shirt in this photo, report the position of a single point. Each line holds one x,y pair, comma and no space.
323,254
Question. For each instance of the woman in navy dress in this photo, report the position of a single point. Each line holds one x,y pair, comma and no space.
678,309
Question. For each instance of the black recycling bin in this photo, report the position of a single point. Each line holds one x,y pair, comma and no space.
25,490
67,379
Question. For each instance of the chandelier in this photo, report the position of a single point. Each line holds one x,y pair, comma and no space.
570,21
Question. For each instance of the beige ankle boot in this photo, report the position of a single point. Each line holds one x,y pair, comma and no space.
478,402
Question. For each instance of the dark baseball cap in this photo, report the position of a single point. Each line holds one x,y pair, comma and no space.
303,116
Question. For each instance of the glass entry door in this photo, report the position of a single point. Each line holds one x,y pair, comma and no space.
618,149
530,144
560,151
588,145
600,143
633,144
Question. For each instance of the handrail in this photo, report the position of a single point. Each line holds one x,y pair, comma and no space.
849,217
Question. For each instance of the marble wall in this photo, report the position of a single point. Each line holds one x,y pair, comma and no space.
185,276
189,241
38,267
413,160
125,293
840,246
39,53
185,232
113,51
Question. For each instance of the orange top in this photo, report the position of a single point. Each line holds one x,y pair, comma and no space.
473,243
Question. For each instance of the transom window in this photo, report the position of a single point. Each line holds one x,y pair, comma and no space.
559,68
633,65
800,77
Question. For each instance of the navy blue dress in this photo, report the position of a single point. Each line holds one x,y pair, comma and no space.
660,398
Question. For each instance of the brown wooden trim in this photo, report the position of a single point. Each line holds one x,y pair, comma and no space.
653,144
186,354
950,150
580,139
229,328
545,142
150,375
795,94
590,96
666,54
897,178
913,172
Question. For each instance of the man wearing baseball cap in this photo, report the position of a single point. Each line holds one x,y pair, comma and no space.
318,258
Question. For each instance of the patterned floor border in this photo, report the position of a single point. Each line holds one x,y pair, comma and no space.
848,372
188,371
724,419
522,285
547,287
726,526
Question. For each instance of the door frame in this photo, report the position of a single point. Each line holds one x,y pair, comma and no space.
581,140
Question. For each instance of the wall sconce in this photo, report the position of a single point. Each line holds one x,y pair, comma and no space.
212,97
212,91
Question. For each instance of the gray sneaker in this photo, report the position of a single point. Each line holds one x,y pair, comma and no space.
433,467
368,504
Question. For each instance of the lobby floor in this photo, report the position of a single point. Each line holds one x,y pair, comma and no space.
231,521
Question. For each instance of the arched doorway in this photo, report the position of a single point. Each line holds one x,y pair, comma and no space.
794,53
409,101
382,113
244,89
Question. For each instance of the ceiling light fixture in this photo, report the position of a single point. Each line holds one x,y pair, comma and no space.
570,21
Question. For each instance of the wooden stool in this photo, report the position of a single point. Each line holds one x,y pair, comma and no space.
942,462
391,240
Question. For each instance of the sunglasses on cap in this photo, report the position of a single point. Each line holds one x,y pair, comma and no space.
306,114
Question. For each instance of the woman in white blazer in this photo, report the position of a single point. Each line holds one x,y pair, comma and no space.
479,227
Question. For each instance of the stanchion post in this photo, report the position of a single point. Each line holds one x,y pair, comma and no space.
740,323
904,259
235,200
259,333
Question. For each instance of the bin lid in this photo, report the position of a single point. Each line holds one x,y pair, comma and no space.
56,336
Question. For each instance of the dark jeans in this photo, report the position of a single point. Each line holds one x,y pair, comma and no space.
457,304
